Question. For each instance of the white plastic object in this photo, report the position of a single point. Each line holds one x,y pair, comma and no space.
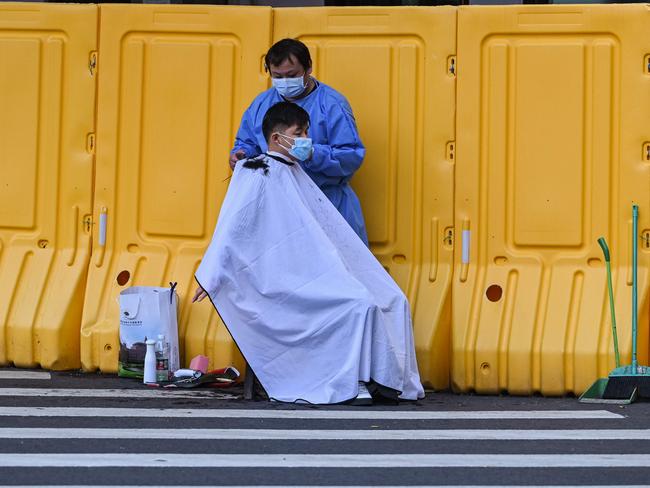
465,251
186,373
150,362
102,229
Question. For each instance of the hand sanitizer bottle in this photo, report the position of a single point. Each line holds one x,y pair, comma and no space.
150,362
162,360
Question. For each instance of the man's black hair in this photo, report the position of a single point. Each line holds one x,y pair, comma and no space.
283,115
282,50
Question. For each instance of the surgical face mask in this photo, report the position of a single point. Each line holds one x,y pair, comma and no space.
289,87
301,148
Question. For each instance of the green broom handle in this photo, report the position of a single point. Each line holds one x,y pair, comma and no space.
610,289
635,225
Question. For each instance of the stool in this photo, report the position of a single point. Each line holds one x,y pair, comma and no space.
249,384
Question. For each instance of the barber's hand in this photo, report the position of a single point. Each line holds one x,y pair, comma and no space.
236,156
199,295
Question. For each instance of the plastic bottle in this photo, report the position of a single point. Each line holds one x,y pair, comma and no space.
150,362
162,359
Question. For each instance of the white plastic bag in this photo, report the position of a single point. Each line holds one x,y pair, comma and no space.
146,312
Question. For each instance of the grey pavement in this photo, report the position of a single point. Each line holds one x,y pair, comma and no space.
79,429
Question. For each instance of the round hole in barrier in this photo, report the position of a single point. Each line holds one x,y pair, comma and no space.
485,368
594,262
123,278
108,347
494,293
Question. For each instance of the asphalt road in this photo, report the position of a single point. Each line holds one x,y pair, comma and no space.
89,430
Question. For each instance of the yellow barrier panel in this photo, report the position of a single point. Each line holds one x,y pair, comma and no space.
47,95
174,81
395,66
552,152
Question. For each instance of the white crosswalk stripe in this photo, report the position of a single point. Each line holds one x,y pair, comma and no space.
24,375
113,393
301,414
395,460
37,438
321,434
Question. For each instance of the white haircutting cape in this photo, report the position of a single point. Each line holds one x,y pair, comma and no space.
311,309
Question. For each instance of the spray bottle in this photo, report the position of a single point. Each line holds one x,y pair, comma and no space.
162,360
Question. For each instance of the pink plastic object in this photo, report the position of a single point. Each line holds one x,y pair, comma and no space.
199,363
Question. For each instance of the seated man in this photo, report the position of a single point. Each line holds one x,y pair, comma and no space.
313,312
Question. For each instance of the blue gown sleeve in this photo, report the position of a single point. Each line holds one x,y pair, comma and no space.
345,151
245,138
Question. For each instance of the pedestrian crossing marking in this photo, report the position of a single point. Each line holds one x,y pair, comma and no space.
115,393
395,460
319,434
306,414
24,375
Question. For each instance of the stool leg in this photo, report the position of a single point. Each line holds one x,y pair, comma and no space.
249,384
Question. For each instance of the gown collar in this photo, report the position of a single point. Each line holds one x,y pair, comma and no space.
280,157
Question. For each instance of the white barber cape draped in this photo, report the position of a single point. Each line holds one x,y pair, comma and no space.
309,306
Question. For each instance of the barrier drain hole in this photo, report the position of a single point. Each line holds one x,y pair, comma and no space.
43,243
485,368
123,278
108,348
594,262
494,293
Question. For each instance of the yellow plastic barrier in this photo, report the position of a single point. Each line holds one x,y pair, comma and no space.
552,151
396,67
174,81
47,95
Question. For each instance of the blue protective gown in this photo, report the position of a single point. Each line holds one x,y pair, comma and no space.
338,151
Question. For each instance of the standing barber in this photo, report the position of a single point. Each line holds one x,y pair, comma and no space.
337,151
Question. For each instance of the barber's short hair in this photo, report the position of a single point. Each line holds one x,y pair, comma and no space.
282,50
281,116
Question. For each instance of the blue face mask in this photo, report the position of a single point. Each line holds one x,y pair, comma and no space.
289,87
301,148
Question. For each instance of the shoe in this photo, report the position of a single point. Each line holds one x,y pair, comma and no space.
363,398
382,395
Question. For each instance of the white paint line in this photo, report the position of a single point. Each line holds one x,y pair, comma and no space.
115,393
341,486
97,460
351,414
24,375
357,435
